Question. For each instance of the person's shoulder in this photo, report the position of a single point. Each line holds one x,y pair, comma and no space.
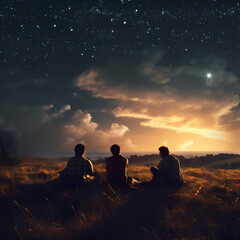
169,158
109,159
123,158
173,159
71,159
87,160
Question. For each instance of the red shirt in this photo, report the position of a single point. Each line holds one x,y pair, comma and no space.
116,170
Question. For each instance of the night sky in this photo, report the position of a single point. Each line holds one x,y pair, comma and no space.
138,73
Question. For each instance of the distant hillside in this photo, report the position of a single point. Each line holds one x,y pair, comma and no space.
230,163
222,160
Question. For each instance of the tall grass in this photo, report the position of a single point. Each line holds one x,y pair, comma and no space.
34,205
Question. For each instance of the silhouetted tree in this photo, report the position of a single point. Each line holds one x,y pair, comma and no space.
8,143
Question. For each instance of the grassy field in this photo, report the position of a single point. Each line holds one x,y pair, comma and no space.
34,205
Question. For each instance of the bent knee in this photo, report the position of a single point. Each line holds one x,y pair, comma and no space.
154,170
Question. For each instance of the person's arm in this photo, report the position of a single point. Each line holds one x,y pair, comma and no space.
90,170
126,162
180,171
126,165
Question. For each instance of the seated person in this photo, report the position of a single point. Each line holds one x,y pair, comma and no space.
168,172
79,169
117,168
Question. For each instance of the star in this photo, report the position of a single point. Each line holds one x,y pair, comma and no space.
209,75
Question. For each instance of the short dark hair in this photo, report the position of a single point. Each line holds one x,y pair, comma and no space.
164,151
115,149
79,149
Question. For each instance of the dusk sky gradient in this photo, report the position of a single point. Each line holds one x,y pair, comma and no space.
138,73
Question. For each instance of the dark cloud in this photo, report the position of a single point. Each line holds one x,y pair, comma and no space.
39,128
231,120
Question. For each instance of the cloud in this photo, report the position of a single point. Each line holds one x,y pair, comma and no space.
83,129
186,144
40,132
118,130
91,82
164,124
56,114
140,104
30,117
192,77
231,119
47,107
177,123
149,67
180,99
156,76
80,126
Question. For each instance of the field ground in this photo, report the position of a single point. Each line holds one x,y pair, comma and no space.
34,206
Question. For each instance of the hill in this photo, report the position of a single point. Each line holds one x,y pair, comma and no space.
34,206
222,160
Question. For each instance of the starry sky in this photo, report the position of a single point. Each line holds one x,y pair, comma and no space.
135,72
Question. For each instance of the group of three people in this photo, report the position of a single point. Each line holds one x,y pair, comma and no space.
79,169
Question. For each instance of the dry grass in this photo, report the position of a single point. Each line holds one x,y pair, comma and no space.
34,206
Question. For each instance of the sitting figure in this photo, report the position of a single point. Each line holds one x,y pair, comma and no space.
168,172
79,169
117,169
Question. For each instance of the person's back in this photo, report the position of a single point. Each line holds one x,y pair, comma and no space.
79,169
116,167
169,169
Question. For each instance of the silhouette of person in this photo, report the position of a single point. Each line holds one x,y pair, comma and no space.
116,167
79,169
168,172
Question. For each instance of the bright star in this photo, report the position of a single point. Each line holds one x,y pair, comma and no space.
209,75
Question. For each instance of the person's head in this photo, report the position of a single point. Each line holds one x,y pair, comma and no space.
79,149
163,151
115,149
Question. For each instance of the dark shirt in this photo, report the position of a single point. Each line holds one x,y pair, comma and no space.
116,170
78,167
169,169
